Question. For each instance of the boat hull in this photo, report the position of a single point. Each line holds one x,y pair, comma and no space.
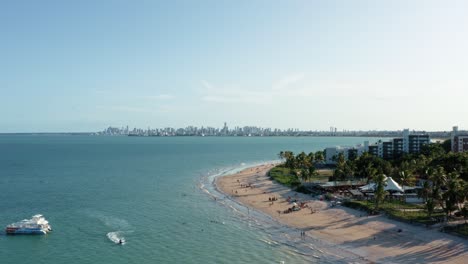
37,225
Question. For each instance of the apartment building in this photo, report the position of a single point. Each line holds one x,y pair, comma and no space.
459,140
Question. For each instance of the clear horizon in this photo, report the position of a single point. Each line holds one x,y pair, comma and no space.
361,65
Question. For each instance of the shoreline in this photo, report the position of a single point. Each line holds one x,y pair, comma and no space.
372,238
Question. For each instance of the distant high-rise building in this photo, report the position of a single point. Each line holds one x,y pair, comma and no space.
374,150
406,140
459,140
416,142
387,150
397,147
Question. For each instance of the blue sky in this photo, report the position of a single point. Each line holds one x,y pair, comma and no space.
85,65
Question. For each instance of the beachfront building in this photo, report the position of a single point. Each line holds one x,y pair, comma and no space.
374,150
331,154
394,148
397,147
351,153
459,140
409,143
416,142
412,143
387,150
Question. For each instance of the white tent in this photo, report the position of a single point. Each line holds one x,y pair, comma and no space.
393,185
390,185
367,188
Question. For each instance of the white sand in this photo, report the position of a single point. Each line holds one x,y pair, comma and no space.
374,238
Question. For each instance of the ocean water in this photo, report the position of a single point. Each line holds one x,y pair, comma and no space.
154,193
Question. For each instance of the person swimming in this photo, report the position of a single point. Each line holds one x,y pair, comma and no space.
120,241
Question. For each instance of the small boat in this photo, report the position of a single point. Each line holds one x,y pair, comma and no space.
37,225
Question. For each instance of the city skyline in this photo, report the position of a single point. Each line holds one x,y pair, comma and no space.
311,65
256,131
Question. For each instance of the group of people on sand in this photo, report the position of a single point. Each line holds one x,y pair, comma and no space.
303,234
272,200
248,185
296,207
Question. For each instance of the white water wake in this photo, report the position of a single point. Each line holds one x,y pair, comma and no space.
116,237
121,226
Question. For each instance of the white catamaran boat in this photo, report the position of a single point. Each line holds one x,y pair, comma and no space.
36,225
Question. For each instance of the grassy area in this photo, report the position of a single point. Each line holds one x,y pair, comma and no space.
284,176
325,172
396,209
322,175
416,216
389,205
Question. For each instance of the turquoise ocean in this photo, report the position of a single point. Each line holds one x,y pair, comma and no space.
156,193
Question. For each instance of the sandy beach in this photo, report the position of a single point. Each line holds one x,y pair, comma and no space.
375,238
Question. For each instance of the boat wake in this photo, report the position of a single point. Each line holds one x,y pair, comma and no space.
120,226
116,237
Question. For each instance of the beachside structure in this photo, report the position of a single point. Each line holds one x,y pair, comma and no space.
459,140
351,153
390,185
394,148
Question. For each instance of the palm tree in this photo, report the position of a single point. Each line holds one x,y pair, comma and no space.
281,155
319,156
302,161
305,176
290,159
370,172
452,196
379,192
425,191
406,178
430,206
437,177
340,171
311,157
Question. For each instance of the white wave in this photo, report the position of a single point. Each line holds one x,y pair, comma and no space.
110,221
116,237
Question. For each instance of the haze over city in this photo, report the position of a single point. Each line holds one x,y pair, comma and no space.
356,65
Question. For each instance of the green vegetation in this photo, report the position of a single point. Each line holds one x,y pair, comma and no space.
299,169
301,165
284,176
443,174
387,205
399,210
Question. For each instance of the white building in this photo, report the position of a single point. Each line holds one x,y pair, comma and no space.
459,140
332,153
406,140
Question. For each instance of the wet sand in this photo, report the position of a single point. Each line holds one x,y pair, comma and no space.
374,238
